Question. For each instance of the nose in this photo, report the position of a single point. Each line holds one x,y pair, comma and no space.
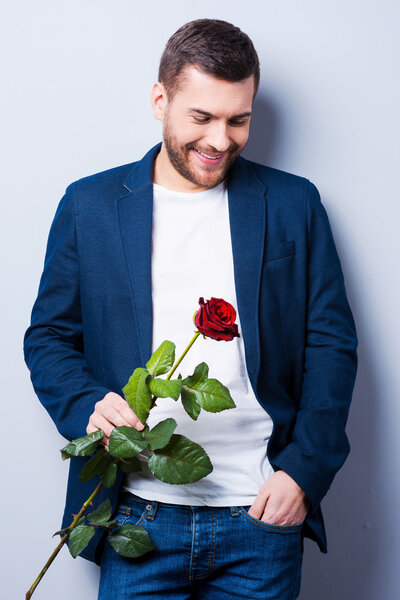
218,137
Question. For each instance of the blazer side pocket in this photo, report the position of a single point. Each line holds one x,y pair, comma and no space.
280,251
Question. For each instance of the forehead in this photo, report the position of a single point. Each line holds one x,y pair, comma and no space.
212,94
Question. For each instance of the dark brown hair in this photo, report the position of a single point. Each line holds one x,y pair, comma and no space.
215,47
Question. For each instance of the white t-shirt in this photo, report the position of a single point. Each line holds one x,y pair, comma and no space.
192,258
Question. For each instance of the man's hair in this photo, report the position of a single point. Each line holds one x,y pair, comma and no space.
216,47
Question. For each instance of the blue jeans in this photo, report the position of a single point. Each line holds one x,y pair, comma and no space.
203,553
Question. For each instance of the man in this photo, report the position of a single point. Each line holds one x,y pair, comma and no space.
129,253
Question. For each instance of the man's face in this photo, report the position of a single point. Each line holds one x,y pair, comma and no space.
206,126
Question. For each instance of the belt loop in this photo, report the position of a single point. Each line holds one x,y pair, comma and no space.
153,510
235,511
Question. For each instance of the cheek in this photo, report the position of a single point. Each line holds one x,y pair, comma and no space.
242,136
191,134
184,132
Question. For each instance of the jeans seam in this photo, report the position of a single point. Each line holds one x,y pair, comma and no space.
297,582
193,526
213,541
143,517
125,511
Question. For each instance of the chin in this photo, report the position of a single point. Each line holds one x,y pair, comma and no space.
208,179
209,182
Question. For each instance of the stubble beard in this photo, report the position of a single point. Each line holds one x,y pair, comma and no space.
180,159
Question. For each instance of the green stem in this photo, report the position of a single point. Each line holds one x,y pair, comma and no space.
62,542
178,362
96,491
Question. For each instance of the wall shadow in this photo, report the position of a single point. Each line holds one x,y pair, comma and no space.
264,131
353,516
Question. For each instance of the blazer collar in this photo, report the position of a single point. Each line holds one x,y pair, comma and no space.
142,172
247,216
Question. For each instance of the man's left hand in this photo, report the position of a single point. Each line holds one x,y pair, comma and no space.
280,500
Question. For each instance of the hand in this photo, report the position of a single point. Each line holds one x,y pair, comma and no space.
111,412
280,500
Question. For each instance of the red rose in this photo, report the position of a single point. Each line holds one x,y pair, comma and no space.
216,319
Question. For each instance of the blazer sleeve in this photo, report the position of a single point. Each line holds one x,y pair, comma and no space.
319,443
53,343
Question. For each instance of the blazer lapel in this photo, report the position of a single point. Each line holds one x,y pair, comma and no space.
247,216
135,213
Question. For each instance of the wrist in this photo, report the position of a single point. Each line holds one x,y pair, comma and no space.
294,483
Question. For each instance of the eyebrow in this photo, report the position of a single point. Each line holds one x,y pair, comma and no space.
208,114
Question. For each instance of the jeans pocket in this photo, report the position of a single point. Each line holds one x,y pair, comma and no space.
285,529
132,511
123,514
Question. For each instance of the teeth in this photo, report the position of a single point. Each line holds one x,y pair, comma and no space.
207,156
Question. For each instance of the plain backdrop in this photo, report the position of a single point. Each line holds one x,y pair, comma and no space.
76,79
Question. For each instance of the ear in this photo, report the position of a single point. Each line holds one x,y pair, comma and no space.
158,100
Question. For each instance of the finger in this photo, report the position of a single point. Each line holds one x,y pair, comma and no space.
257,508
99,422
105,441
113,416
283,519
275,511
121,405
130,416
284,513
91,428
272,517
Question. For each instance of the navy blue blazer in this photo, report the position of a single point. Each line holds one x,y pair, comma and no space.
91,323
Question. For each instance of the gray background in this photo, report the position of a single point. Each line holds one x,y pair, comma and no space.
76,80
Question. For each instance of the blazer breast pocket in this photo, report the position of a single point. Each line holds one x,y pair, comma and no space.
280,251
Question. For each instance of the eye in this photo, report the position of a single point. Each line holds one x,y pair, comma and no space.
201,119
237,123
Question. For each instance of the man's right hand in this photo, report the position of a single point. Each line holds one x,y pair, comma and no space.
111,412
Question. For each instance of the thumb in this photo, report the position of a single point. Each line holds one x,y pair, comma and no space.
256,510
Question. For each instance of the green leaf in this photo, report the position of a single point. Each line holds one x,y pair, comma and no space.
199,374
180,461
126,442
110,475
60,532
162,359
210,394
145,431
189,401
190,405
129,465
82,446
165,388
131,540
79,539
160,435
102,513
108,524
137,394
96,465
81,521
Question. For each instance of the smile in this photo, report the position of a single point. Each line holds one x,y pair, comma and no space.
212,157
209,159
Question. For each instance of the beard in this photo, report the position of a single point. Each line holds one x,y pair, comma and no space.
180,157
